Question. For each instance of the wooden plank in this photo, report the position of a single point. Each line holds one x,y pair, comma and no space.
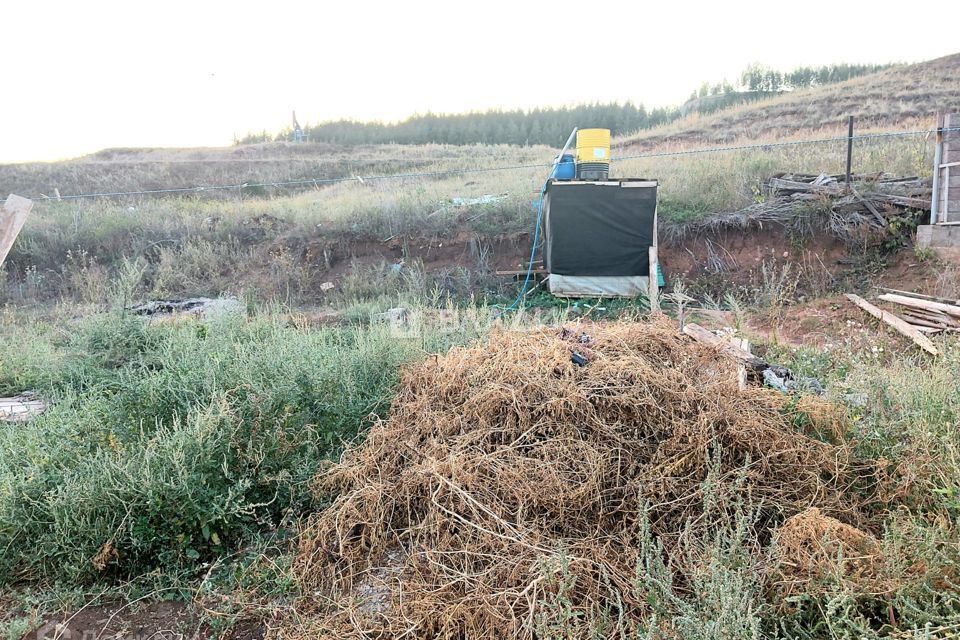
12,216
19,408
920,322
903,201
922,296
914,316
653,284
701,335
929,305
741,343
930,330
932,315
869,205
899,324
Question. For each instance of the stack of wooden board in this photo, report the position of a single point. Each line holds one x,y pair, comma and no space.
929,314
917,316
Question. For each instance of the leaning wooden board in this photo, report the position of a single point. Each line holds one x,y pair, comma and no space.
12,216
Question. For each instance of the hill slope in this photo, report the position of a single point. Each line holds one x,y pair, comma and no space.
903,97
131,169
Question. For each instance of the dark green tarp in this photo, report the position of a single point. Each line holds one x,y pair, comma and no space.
599,229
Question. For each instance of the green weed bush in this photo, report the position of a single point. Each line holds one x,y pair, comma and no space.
168,445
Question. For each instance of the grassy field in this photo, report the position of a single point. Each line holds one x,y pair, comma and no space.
170,445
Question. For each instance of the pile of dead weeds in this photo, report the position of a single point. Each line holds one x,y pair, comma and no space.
498,457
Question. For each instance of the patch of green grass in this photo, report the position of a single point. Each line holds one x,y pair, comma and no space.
169,445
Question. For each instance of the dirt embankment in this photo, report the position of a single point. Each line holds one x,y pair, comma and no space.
711,263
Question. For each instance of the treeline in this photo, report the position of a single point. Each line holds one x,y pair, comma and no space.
549,126
764,79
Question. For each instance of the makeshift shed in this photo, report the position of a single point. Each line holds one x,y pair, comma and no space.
598,237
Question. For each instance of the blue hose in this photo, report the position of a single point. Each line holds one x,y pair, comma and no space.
533,250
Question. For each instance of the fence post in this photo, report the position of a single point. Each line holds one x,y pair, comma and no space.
849,148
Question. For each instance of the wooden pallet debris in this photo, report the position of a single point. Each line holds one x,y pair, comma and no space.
751,367
20,408
869,201
914,328
879,196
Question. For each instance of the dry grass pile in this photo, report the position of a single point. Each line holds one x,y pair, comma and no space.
499,459
815,552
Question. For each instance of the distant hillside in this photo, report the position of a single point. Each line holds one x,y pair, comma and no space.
897,98
130,169
900,97
548,125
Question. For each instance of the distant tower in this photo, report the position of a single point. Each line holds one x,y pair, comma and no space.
298,135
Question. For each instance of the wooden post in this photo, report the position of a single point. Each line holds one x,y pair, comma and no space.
12,216
743,344
653,281
653,286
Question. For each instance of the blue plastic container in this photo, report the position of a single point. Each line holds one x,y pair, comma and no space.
566,169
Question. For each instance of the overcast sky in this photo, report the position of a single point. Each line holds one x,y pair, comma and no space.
82,76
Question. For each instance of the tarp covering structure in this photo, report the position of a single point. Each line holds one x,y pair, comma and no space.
597,236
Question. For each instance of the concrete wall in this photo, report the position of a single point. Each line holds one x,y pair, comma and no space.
950,176
938,235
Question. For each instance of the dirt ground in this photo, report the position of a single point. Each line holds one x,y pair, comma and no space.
153,621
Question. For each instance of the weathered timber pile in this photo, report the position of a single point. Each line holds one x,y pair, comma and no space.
876,197
866,205
929,314
916,316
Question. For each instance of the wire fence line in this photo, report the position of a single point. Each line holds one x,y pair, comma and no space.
317,182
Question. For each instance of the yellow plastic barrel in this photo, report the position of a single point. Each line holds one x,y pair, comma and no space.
593,145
